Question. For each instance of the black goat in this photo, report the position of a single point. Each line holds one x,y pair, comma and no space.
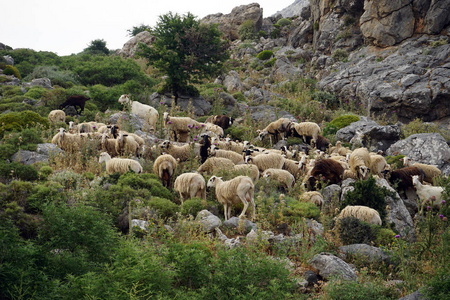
205,147
75,101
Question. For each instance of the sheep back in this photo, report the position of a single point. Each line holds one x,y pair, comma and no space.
362,213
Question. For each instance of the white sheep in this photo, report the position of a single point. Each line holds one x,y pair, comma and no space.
277,129
232,192
182,153
190,185
266,161
67,141
56,116
359,162
120,165
377,164
247,170
283,177
212,128
293,167
108,145
231,155
430,171
149,113
306,129
428,192
215,164
313,197
180,127
165,166
126,145
362,213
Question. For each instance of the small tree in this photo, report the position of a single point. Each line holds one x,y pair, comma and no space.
138,29
186,51
97,47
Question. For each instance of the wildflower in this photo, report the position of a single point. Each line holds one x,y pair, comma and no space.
196,127
203,125
190,126
195,139
170,122
160,102
397,236
441,216
428,207
443,202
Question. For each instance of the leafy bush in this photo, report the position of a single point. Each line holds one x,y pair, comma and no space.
146,181
6,151
239,97
68,179
63,78
368,193
16,121
396,162
417,126
270,63
296,210
384,236
353,231
192,207
284,22
339,54
331,100
240,132
348,289
17,170
438,286
276,31
35,92
264,55
343,121
165,208
25,60
11,70
247,30
43,194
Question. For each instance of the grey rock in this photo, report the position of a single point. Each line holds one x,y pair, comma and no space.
8,59
129,48
268,113
232,82
208,220
140,223
48,149
43,82
428,148
315,227
234,222
331,193
417,295
135,121
311,277
29,157
437,17
371,253
330,265
199,105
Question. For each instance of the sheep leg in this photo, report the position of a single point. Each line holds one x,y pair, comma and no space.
225,211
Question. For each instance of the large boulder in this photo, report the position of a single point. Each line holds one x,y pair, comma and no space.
330,265
130,48
43,82
229,24
371,253
208,221
428,148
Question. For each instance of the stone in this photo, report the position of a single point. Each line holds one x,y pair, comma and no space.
311,277
135,121
208,221
417,295
29,157
331,193
43,82
199,105
48,149
130,48
329,265
235,222
371,253
232,82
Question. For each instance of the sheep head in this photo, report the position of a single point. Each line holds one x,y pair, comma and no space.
124,99
213,180
415,180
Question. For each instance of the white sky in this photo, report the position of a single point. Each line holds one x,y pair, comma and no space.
67,27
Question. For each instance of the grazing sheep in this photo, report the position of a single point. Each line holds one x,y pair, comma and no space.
428,194
362,213
190,185
67,141
266,161
149,113
85,127
293,167
215,164
276,129
402,178
220,120
430,171
235,146
339,149
56,116
304,130
359,162
75,101
326,170
120,165
108,145
321,143
377,164
182,153
313,197
247,170
232,192
283,177
216,130
126,145
231,155
165,166
204,148
180,127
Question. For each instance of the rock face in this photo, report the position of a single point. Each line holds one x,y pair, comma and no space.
129,48
229,23
330,265
410,81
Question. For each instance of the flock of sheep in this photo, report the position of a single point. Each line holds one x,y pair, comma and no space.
322,164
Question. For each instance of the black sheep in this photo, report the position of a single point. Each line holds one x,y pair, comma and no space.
221,120
75,101
204,148
326,170
402,178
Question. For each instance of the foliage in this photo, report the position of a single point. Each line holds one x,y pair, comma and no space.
138,29
331,100
275,33
438,43
97,47
295,210
17,170
284,22
63,78
193,206
344,121
348,289
418,126
368,193
340,54
164,207
353,231
247,30
145,181
438,286
185,50
35,92
25,60
239,132
11,70
396,162
239,97
16,121
264,55
68,179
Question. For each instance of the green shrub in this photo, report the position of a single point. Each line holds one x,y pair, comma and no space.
17,191
11,70
284,22
146,181
264,55
343,121
384,237
44,194
270,63
44,172
353,231
438,286
331,100
6,151
276,31
68,179
418,126
296,210
63,78
263,34
17,170
396,162
17,121
330,130
239,97
339,54
368,193
240,132
348,289
192,206
36,92
247,30
165,208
